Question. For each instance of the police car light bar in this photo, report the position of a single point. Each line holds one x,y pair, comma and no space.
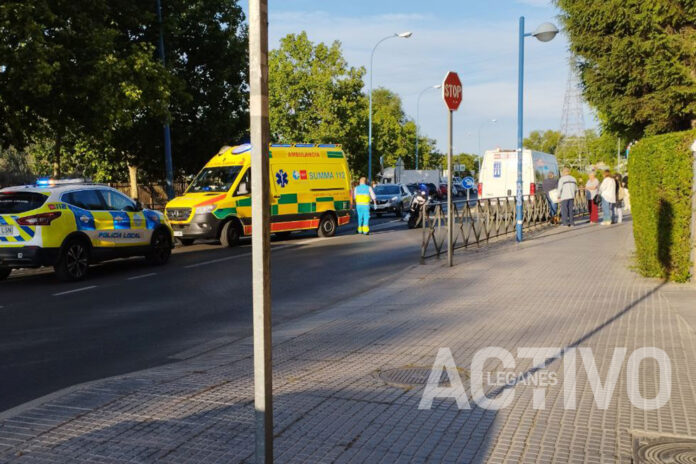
48,182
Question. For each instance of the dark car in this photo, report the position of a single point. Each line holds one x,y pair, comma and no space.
433,191
391,198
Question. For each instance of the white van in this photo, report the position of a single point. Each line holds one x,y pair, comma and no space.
498,176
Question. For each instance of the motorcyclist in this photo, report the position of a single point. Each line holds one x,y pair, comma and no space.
417,203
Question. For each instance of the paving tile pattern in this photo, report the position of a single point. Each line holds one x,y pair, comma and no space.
562,289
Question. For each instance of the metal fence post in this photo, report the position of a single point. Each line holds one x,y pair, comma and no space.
260,235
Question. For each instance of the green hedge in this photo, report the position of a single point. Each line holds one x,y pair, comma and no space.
660,181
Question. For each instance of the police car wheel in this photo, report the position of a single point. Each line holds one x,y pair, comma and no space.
160,248
73,262
230,234
4,272
327,226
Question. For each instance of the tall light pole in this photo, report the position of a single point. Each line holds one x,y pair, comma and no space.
402,35
480,155
544,33
168,165
418,114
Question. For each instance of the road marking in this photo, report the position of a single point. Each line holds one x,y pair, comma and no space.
75,291
228,258
214,261
142,276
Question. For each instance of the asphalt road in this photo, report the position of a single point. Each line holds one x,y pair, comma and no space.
129,316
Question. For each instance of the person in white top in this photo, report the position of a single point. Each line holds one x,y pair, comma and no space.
607,190
567,188
592,187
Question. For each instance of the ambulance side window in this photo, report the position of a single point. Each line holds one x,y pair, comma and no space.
244,187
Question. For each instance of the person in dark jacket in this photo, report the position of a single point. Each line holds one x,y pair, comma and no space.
549,184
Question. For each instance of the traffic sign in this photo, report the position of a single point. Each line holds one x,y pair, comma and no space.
452,91
468,183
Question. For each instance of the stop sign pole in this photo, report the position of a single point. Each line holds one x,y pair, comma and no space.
452,95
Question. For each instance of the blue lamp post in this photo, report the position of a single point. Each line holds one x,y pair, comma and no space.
544,33
402,35
168,166
418,114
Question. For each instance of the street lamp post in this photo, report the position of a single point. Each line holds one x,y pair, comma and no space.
544,33
480,155
402,35
418,114
168,165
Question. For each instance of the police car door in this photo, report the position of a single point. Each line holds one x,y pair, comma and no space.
129,225
91,217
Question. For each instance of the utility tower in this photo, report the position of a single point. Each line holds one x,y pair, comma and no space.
573,146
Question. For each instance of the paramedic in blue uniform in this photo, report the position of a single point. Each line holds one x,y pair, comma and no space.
363,195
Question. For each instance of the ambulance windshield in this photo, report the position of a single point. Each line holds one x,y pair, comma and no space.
215,179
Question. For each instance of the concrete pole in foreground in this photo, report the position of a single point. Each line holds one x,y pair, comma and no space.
693,216
260,234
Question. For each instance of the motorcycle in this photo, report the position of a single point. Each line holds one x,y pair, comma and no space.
417,203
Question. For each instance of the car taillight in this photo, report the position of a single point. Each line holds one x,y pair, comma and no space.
532,188
480,189
43,219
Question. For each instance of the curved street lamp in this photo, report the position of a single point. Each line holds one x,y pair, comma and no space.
418,114
544,33
402,35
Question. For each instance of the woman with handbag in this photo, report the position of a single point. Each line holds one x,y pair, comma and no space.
592,188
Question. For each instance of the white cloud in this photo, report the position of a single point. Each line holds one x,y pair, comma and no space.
484,53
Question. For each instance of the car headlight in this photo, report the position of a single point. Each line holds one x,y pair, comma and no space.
394,198
205,209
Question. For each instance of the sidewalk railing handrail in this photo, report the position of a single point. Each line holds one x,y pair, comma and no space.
477,221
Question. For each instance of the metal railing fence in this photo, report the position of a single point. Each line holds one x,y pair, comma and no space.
479,221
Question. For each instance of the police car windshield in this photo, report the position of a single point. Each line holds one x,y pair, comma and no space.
215,179
387,190
20,202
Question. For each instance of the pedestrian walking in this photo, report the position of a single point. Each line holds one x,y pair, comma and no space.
620,197
592,189
607,189
567,189
550,186
364,195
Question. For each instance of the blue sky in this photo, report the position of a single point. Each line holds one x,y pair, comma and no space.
477,39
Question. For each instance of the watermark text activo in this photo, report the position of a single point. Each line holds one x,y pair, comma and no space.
502,382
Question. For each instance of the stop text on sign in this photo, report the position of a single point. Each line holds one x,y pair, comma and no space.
452,91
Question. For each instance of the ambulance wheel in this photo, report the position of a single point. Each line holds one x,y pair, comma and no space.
186,241
160,248
4,272
73,262
327,226
230,234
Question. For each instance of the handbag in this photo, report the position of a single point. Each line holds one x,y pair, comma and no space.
597,200
553,195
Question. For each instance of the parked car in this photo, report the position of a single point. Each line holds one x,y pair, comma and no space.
391,198
434,191
73,223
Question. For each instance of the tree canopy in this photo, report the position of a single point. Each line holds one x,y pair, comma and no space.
637,61
83,79
316,97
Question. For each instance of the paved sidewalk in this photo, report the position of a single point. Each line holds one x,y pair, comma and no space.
561,289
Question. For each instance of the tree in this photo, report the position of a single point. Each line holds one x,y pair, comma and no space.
546,141
637,62
86,76
315,97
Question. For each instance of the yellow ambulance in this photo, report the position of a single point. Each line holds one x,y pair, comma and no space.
310,190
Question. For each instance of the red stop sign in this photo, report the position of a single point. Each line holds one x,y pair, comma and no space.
452,91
